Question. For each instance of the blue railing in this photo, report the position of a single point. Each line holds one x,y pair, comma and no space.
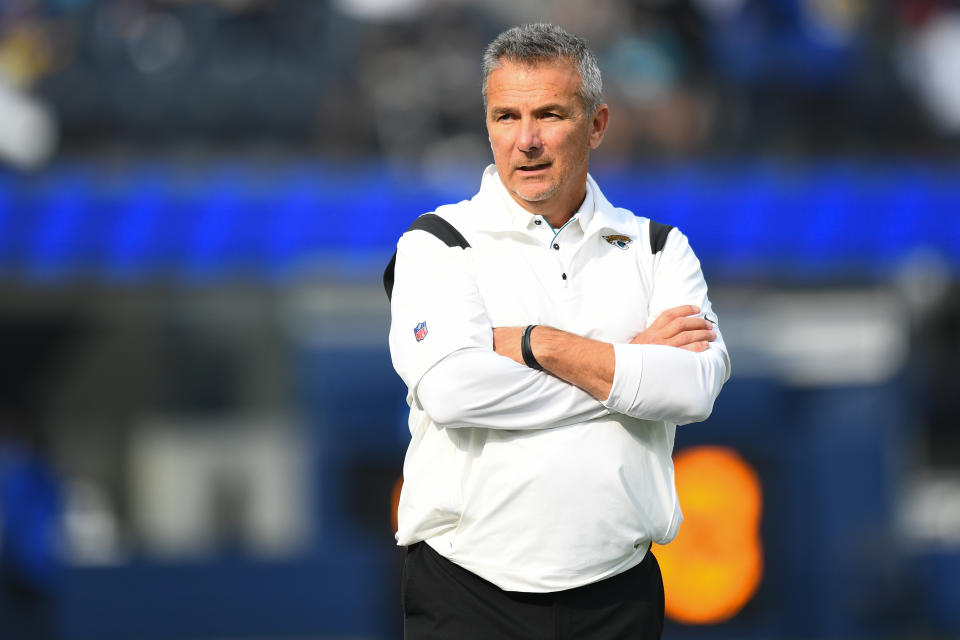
840,220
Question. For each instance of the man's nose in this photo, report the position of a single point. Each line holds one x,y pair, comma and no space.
529,136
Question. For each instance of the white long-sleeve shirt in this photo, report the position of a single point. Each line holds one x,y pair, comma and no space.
516,475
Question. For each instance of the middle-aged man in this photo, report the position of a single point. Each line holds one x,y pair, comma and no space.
549,357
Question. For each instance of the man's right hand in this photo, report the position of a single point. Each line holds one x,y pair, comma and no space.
679,327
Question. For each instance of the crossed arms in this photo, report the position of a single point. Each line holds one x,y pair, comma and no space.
472,374
591,364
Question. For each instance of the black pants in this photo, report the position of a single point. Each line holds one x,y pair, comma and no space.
443,601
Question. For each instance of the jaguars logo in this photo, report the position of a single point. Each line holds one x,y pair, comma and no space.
621,242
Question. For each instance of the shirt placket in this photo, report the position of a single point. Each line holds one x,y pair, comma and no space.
563,244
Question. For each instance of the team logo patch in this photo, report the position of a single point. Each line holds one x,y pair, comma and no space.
621,242
420,331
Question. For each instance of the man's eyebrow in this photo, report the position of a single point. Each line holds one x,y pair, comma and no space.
552,107
546,108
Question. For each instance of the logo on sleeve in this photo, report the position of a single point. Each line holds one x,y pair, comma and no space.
619,241
420,331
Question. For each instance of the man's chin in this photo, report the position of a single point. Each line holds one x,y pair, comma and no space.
528,194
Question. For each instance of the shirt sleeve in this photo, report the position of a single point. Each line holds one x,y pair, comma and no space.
656,382
436,308
441,343
478,387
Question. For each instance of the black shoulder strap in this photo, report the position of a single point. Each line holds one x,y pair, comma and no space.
432,224
658,236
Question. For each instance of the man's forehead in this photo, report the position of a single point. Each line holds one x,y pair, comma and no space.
514,78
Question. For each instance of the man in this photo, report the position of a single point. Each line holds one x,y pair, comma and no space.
547,366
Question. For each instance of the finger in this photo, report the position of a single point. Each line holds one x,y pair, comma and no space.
696,346
689,337
676,312
680,325
671,322
692,323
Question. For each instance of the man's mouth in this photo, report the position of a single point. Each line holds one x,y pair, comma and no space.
533,168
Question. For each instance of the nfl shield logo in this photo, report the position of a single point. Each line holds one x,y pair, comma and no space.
420,331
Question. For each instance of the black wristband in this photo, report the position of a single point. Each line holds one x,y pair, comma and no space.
525,349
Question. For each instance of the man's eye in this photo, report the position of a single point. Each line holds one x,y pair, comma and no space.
504,117
551,115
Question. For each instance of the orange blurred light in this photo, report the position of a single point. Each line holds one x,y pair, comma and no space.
395,502
714,565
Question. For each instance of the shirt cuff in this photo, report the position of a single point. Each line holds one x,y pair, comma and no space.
627,373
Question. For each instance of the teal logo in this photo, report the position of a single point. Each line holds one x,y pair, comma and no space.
621,242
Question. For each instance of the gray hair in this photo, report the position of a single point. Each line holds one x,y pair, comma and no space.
538,43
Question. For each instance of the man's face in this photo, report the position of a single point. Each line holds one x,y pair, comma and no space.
540,135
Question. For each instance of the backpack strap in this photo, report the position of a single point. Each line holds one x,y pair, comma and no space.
434,225
658,236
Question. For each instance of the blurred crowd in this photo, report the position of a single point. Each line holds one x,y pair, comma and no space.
400,78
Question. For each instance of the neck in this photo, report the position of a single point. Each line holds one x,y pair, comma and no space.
557,219
556,211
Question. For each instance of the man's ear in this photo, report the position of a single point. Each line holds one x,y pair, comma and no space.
598,125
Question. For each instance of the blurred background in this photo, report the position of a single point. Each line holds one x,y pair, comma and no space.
200,428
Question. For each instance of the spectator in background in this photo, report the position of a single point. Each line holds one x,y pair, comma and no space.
30,516
31,499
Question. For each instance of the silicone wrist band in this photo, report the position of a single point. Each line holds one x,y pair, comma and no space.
525,349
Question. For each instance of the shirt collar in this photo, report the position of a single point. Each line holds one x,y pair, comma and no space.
500,212
606,216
